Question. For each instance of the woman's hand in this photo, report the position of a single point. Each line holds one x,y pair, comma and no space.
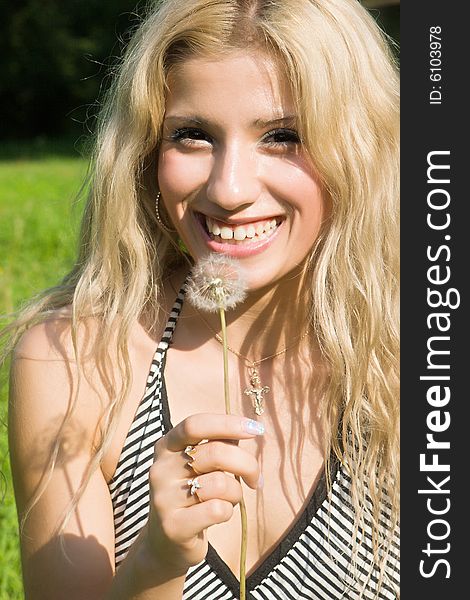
178,519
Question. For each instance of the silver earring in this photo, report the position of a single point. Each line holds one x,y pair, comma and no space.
159,219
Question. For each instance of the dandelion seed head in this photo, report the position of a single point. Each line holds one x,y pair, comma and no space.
215,282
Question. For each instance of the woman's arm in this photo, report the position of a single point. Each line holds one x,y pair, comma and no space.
43,388
43,385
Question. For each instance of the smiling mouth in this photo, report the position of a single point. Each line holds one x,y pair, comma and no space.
225,233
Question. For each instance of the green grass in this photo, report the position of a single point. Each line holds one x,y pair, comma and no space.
38,225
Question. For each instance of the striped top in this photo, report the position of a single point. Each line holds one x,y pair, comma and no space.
313,559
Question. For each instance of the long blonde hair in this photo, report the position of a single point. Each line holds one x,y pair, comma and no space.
345,84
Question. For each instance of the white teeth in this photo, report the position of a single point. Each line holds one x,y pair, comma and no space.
226,233
250,231
239,233
233,234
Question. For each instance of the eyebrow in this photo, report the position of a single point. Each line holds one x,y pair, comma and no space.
288,119
187,119
258,123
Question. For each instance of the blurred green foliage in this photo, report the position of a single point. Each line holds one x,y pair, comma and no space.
57,57
39,218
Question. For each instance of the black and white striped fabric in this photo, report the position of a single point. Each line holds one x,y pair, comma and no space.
311,562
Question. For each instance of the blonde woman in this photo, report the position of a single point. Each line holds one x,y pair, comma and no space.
265,131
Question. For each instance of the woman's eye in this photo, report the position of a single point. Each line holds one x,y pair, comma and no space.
281,137
189,136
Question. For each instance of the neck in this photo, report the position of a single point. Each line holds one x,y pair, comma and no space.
269,320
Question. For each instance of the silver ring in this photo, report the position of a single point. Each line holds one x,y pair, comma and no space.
194,485
190,451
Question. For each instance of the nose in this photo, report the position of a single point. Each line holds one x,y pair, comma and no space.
234,180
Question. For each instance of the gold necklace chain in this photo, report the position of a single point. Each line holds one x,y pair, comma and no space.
255,363
256,391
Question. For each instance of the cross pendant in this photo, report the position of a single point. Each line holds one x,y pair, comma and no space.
257,391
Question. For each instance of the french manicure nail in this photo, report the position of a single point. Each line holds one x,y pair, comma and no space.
252,426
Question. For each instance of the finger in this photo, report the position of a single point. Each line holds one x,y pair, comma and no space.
169,466
220,456
216,485
186,523
211,426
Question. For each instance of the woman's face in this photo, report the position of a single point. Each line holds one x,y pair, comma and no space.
232,171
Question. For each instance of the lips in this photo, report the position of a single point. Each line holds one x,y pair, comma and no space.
237,241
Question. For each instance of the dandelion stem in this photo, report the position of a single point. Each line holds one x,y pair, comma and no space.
243,516
216,284
225,349
243,548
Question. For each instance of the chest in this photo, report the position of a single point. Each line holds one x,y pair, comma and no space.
272,512
289,453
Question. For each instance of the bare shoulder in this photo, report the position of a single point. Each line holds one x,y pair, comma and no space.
45,366
56,375
57,369
46,389
48,339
